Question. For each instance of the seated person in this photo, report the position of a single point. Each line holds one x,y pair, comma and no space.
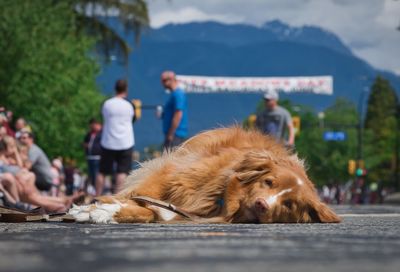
24,181
40,164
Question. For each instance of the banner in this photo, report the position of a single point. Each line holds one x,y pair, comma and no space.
204,84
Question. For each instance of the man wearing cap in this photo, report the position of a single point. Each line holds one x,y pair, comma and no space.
174,116
274,119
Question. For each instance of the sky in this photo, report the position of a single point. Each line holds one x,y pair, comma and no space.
368,27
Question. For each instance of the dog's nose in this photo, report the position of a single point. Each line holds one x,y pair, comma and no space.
261,205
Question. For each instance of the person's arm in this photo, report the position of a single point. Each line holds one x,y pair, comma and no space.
18,158
291,132
27,164
176,119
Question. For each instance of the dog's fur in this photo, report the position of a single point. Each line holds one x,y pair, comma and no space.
226,175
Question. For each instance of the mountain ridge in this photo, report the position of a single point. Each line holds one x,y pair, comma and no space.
216,49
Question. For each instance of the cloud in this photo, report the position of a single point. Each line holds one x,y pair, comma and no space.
191,14
368,27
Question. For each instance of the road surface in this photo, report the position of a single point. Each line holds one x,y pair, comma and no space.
367,240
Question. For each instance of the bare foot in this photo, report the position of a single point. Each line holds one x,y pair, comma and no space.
57,208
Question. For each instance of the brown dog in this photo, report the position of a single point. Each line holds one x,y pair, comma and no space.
226,175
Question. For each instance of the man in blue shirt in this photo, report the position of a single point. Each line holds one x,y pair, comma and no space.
174,116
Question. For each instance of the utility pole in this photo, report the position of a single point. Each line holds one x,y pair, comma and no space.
360,126
397,150
360,178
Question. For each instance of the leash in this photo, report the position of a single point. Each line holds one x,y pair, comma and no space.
167,206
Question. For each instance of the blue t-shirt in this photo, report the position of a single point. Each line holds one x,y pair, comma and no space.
176,101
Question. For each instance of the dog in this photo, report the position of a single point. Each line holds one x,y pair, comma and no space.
226,175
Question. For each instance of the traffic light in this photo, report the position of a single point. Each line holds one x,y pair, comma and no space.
361,172
137,103
351,167
296,124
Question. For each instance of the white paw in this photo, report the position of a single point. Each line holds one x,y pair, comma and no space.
97,213
81,213
103,213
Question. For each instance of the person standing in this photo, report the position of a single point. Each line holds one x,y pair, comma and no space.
174,116
92,147
117,138
274,120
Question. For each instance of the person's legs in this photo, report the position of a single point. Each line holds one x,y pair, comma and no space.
6,194
119,182
100,184
30,194
93,170
106,167
177,141
124,166
10,185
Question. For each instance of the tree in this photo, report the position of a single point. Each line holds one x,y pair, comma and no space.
328,160
381,126
93,17
47,74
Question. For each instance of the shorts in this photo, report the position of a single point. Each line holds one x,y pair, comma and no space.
42,183
12,169
122,159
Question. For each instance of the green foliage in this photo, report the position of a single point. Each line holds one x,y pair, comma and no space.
46,74
327,161
381,126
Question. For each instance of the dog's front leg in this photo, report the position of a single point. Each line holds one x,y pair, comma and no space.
132,213
112,210
232,199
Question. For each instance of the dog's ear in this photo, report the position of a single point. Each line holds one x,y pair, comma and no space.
232,198
253,166
321,213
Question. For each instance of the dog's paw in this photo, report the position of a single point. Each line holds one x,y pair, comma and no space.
95,213
81,213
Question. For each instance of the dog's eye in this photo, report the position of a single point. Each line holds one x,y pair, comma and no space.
288,204
268,182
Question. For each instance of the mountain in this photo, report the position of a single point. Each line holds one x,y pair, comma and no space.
239,34
215,49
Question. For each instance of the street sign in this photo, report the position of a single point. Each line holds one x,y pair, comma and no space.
334,136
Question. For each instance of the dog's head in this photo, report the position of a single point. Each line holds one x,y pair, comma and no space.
277,190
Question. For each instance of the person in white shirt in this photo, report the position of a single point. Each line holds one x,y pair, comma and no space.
117,140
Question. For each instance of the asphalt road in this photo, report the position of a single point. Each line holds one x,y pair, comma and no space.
367,240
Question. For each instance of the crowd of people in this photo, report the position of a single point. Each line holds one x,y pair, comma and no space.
354,192
27,177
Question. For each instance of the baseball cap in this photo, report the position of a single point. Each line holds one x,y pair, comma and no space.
271,94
